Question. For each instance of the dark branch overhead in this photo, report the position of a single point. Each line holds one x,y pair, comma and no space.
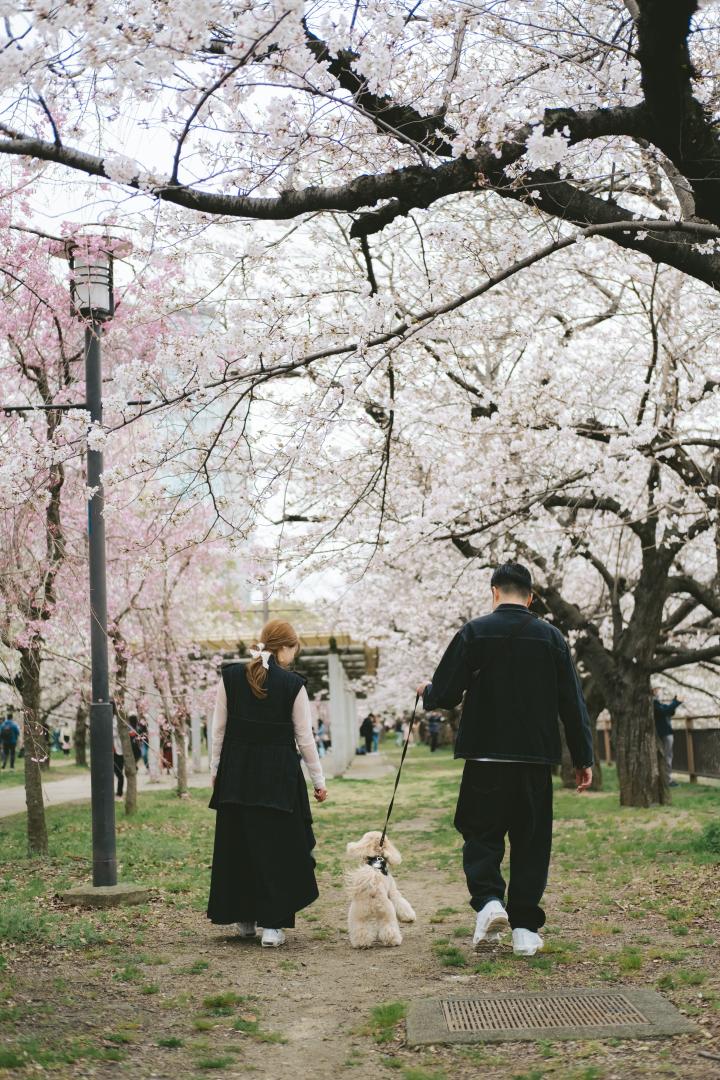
670,119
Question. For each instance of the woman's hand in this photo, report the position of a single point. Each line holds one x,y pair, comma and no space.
320,794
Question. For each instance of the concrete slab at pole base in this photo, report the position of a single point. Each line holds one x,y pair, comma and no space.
105,896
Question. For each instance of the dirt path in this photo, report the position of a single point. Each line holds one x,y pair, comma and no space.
316,994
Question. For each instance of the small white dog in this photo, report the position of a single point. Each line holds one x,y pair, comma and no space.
375,900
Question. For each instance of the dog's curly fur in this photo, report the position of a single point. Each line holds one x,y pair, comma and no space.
375,900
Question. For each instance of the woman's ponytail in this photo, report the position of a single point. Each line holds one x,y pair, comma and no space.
275,635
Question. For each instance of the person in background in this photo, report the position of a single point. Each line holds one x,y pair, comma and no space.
399,731
376,732
516,675
9,735
65,739
134,736
118,756
166,748
320,736
434,722
366,730
663,713
263,870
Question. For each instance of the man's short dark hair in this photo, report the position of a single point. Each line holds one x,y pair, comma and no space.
512,577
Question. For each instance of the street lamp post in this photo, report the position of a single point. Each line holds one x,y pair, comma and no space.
91,289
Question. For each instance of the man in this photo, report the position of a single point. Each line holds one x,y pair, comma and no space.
366,730
9,735
434,722
663,714
118,756
517,676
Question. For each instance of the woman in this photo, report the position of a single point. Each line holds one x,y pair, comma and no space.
263,871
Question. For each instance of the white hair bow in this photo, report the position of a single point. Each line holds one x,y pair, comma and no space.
263,653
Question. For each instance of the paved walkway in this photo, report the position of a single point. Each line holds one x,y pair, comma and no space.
77,789
369,767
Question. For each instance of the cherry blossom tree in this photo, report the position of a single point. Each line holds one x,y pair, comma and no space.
442,287
598,116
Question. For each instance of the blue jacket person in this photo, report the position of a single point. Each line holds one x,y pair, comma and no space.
516,675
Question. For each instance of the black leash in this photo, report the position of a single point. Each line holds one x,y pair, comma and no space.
397,778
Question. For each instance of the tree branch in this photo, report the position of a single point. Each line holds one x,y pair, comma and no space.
706,595
682,657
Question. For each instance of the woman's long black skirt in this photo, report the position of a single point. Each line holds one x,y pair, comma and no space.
263,870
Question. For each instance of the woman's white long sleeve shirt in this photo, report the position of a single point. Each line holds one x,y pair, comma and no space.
302,726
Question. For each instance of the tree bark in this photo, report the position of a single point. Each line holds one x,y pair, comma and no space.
81,728
639,775
35,746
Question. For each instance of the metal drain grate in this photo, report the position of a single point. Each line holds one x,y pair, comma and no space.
571,1010
628,1012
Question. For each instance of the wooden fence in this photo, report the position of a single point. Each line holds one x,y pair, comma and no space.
696,751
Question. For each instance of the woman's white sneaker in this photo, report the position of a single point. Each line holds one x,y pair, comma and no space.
246,929
490,923
526,942
272,939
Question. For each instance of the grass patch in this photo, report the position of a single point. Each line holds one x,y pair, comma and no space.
448,954
251,1026
202,1023
630,959
196,968
384,1019
171,1042
708,842
223,1004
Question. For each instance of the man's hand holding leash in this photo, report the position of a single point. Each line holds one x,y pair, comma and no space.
320,794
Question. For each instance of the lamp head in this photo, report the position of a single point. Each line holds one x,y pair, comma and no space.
91,282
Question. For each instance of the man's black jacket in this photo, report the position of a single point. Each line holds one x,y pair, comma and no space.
517,676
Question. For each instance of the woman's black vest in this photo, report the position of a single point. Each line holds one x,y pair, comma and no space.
259,762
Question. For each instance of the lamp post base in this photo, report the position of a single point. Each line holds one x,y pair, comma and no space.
105,896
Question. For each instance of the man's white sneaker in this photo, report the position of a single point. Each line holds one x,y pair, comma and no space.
490,923
246,929
526,942
272,939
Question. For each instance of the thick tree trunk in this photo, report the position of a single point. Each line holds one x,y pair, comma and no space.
35,748
81,728
639,776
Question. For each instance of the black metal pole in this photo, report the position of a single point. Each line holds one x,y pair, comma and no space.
101,711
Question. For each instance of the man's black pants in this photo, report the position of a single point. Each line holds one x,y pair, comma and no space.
499,799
